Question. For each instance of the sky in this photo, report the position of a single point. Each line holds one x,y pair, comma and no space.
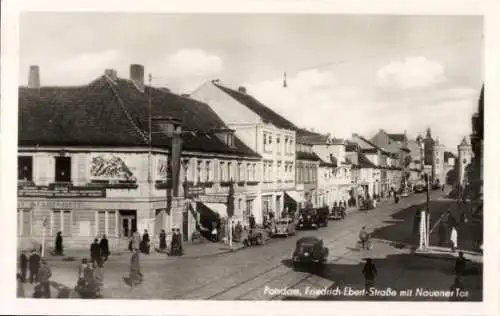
345,73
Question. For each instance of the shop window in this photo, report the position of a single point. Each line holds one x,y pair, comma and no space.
24,222
106,223
25,168
63,169
61,222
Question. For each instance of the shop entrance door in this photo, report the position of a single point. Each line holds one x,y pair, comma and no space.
128,220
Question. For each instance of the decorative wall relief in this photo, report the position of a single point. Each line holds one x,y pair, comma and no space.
111,167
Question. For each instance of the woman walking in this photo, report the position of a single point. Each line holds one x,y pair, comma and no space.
59,245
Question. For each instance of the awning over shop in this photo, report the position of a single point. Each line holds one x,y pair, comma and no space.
218,208
295,196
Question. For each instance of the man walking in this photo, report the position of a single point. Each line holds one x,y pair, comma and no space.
34,263
363,238
369,272
95,252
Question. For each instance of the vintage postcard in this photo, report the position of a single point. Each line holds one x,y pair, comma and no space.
248,157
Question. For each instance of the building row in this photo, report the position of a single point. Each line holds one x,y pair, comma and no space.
117,156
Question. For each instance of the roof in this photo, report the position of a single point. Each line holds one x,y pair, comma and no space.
397,137
364,162
115,113
260,109
308,239
300,155
448,155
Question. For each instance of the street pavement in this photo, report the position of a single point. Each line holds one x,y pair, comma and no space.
265,273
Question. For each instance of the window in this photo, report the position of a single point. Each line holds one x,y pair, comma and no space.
229,172
61,222
265,142
266,205
207,171
279,173
241,172
278,144
63,169
199,171
270,143
106,223
254,172
249,172
221,171
248,210
24,222
25,168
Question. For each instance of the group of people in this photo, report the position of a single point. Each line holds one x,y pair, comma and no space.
176,248
90,278
99,250
40,274
142,244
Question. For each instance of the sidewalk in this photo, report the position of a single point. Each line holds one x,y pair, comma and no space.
205,249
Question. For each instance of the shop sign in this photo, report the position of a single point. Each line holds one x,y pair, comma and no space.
45,192
211,199
48,204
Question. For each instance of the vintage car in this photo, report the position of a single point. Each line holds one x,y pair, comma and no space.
309,251
337,213
367,204
255,237
283,227
307,219
322,214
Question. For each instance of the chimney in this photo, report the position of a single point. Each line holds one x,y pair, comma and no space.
242,90
111,74
34,77
137,74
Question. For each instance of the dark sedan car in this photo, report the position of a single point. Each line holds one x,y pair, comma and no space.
308,219
309,251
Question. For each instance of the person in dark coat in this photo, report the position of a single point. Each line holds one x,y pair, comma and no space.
95,251
23,265
135,275
59,245
163,241
369,272
145,242
251,221
34,264
179,241
44,275
104,246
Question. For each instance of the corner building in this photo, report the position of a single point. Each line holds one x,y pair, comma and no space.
86,166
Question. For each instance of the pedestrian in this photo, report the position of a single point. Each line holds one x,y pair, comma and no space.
58,245
363,238
454,239
145,242
214,233
95,251
179,241
460,263
34,263
163,241
20,286
136,240
251,221
369,272
104,247
135,275
44,275
23,265
81,269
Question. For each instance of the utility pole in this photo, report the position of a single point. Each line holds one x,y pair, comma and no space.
428,212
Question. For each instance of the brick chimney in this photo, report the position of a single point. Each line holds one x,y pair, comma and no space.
111,74
137,75
34,77
242,89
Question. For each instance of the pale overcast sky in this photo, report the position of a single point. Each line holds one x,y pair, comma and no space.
346,74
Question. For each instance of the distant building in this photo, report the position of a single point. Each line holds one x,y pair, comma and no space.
464,159
306,174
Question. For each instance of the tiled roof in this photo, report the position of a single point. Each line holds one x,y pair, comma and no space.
300,155
105,113
260,109
364,162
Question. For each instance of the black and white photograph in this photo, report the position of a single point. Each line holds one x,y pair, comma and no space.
250,157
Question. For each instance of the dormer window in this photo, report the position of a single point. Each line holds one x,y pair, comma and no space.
225,135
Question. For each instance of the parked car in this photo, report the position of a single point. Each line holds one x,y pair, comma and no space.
283,227
337,213
309,251
323,216
307,219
